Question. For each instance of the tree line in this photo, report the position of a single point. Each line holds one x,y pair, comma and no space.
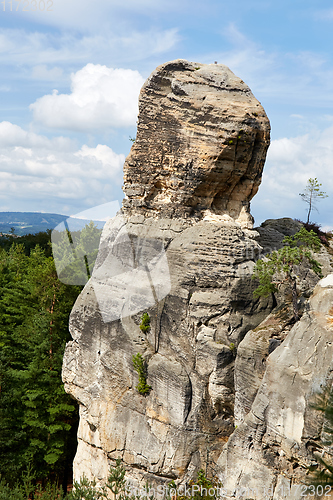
38,420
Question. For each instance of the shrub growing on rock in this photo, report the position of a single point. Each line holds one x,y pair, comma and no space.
139,366
278,267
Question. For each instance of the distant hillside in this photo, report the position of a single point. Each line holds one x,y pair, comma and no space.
35,222
28,222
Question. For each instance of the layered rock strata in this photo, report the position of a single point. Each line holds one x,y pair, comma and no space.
279,432
201,144
180,250
189,350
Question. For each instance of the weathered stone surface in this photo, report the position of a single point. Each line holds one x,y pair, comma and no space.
181,251
252,353
274,443
272,231
188,350
200,147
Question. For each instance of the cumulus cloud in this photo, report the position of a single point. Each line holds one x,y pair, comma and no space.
324,14
101,97
54,174
290,163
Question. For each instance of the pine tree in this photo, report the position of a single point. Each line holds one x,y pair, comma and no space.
312,194
37,417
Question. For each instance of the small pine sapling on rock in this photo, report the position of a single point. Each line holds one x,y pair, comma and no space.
140,367
312,194
145,322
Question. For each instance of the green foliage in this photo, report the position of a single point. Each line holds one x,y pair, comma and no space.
312,194
323,473
232,346
145,322
85,490
296,249
37,418
116,480
202,488
139,366
29,242
26,488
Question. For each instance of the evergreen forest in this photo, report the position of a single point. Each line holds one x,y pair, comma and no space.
38,420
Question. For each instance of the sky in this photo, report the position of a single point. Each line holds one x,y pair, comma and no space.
71,72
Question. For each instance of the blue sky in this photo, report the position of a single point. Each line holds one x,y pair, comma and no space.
70,78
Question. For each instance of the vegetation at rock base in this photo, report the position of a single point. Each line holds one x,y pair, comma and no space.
296,250
324,237
38,420
322,473
116,480
140,367
312,194
203,488
84,489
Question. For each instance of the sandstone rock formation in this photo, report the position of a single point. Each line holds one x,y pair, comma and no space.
182,249
201,144
268,454
196,163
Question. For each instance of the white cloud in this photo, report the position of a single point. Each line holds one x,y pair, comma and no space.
54,172
82,15
101,97
290,163
21,47
42,72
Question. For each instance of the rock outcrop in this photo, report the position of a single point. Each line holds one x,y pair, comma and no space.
183,251
278,434
200,147
231,379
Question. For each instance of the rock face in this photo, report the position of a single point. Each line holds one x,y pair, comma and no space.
189,350
278,431
180,250
272,232
201,144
